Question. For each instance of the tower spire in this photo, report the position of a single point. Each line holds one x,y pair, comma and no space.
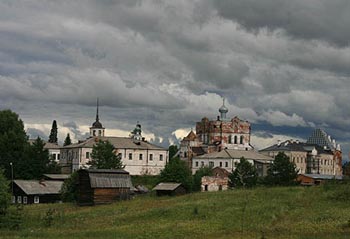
97,117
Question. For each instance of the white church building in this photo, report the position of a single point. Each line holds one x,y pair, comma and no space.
139,156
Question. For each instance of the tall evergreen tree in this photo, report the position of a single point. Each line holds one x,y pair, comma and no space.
36,162
13,141
282,171
67,140
53,133
244,175
103,156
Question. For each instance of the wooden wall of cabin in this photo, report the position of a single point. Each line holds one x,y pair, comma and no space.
109,195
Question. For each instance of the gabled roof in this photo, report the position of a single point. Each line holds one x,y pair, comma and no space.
118,143
190,137
198,150
167,186
109,178
47,145
57,176
290,145
235,154
35,187
323,176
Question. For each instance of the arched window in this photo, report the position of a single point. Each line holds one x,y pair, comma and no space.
241,139
230,139
235,139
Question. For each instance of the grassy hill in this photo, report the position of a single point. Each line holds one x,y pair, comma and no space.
289,212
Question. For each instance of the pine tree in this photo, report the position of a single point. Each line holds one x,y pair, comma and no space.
13,141
36,162
244,175
53,133
67,141
103,156
282,171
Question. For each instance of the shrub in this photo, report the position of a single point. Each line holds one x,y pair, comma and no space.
69,188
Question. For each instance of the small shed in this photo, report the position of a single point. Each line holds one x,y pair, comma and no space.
316,179
34,191
103,186
169,189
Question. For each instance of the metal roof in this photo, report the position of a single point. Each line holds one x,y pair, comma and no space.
35,187
323,176
109,179
235,154
118,143
57,176
321,138
167,186
290,145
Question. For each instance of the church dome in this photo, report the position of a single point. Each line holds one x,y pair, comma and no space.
223,109
97,124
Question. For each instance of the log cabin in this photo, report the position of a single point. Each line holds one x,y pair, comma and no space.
102,186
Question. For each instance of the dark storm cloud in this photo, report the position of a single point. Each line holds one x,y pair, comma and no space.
281,65
313,19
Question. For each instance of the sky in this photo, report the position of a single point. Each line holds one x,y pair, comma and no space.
282,65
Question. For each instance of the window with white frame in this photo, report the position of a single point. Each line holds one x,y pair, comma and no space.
19,199
13,199
36,199
161,157
25,200
226,164
140,156
130,156
151,157
87,155
211,164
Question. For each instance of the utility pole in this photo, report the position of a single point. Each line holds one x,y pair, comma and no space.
12,177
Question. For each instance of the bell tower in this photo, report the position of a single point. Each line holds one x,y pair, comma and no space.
97,130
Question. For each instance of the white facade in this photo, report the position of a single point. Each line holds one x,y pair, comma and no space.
139,159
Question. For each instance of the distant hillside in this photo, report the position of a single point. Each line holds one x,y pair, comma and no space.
291,212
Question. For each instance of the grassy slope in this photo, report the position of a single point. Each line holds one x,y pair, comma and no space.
294,212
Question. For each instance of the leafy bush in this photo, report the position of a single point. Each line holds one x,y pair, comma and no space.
69,188
178,172
197,177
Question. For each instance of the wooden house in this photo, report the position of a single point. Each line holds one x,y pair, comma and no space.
34,191
169,189
102,186
316,179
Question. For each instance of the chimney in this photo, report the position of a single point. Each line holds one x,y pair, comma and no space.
278,142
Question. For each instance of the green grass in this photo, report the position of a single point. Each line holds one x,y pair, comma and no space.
289,212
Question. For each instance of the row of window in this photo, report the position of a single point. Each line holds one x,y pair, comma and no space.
322,161
211,164
24,199
130,156
235,139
